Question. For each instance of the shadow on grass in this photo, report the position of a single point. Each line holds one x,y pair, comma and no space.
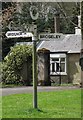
35,110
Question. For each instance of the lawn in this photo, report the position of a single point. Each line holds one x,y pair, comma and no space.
56,104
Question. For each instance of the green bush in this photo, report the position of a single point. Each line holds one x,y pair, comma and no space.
13,63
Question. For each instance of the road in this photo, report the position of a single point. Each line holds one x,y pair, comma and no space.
29,89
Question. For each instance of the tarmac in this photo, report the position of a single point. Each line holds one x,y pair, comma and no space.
29,89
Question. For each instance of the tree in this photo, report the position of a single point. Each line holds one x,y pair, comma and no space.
8,9
13,64
19,18
69,14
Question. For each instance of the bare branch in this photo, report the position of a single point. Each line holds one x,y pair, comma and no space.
65,15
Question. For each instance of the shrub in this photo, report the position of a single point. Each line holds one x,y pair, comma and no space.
13,63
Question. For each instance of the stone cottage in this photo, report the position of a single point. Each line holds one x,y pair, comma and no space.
58,58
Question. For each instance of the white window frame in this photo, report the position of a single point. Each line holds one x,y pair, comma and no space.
59,56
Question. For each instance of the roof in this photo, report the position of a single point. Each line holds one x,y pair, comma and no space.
70,43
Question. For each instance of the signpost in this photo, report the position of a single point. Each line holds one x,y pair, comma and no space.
49,36
34,15
20,34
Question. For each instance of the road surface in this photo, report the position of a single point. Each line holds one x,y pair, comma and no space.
29,89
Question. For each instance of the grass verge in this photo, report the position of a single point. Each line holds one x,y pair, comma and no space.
56,104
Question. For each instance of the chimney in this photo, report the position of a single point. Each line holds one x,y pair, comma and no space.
57,23
78,29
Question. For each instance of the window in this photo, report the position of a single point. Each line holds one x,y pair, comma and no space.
58,64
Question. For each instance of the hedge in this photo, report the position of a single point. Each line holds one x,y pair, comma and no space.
13,63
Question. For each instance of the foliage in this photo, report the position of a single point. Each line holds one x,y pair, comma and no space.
8,9
69,21
53,104
18,18
68,12
47,11
13,63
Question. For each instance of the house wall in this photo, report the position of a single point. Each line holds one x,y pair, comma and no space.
56,79
26,72
43,67
74,71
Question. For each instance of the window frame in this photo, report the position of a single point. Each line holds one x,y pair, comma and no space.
58,56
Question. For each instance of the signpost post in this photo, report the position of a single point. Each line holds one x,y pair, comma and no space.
34,16
34,75
20,34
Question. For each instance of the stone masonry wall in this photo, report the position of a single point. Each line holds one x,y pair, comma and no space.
74,70
43,67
